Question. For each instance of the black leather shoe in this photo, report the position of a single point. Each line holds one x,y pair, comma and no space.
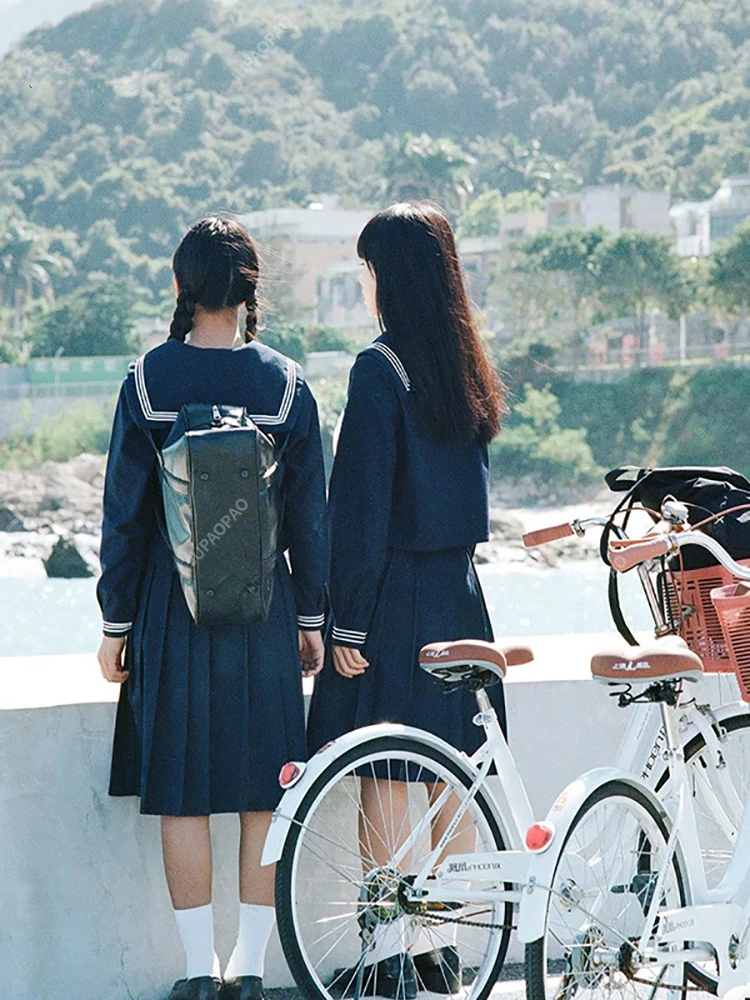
439,971
393,978
199,988
242,988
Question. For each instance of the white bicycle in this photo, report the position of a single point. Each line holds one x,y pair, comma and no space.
391,842
617,900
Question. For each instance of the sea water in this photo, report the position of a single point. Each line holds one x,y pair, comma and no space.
40,616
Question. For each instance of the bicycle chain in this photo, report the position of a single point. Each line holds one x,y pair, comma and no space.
688,987
468,923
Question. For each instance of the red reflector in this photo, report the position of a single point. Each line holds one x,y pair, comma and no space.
290,773
539,836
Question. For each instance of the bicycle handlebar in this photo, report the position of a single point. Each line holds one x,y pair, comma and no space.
577,527
624,555
544,535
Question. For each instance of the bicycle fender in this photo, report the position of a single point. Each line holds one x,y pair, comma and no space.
283,815
543,864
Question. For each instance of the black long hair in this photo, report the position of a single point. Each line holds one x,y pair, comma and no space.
424,310
216,266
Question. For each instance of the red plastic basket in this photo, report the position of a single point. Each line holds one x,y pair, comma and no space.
732,604
687,596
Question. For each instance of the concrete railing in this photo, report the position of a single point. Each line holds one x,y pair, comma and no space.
85,911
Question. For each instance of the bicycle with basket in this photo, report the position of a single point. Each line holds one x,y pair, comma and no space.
445,865
617,898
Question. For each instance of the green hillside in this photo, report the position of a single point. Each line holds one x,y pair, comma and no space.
123,123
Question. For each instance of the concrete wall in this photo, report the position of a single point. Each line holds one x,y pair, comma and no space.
85,912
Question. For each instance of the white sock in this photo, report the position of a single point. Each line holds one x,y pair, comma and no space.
249,955
390,939
196,927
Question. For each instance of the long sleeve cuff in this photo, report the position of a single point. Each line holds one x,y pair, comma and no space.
347,637
311,623
115,630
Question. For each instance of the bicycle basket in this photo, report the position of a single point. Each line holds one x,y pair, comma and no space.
686,600
732,603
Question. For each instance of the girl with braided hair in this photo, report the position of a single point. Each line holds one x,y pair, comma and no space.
208,714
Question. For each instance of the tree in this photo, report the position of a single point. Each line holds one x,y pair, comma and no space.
570,253
729,274
482,216
26,265
638,272
419,166
535,445
98,321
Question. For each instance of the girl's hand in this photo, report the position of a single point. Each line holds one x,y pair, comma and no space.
311,652
110,659
349,662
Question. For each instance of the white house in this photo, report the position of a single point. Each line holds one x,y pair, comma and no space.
617,207
299,244
697,226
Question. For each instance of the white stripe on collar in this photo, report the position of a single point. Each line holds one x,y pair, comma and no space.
286,400
143,397
264,419
394,359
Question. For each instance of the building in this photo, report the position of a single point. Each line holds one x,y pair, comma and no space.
697,226
617,207
298,245
339,297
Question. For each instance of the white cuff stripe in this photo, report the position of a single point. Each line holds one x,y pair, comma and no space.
311,621
347,636
117,626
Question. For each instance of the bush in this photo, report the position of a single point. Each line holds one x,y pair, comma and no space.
98,321
289,338
535,445
84,427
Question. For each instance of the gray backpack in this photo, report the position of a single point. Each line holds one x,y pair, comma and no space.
217,473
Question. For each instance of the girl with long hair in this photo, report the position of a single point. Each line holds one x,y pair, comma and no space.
208,714
408,502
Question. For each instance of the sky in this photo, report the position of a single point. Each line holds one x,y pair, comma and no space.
17,17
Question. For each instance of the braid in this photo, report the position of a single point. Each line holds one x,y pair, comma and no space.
182,321
251,321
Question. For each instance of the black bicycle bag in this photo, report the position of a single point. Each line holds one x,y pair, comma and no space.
217,475
705,490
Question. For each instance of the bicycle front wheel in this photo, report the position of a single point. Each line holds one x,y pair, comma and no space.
364,831
720,784
602,889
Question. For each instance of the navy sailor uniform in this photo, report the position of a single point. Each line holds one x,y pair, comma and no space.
208,714
406,511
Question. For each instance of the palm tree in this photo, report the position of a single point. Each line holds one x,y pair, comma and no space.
420,166
26,266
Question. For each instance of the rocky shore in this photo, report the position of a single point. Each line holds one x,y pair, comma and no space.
53,514
55,511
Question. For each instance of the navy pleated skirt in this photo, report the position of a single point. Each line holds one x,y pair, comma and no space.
425,597
208,714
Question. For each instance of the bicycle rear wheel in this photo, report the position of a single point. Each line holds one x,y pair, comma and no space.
601,891
355,842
